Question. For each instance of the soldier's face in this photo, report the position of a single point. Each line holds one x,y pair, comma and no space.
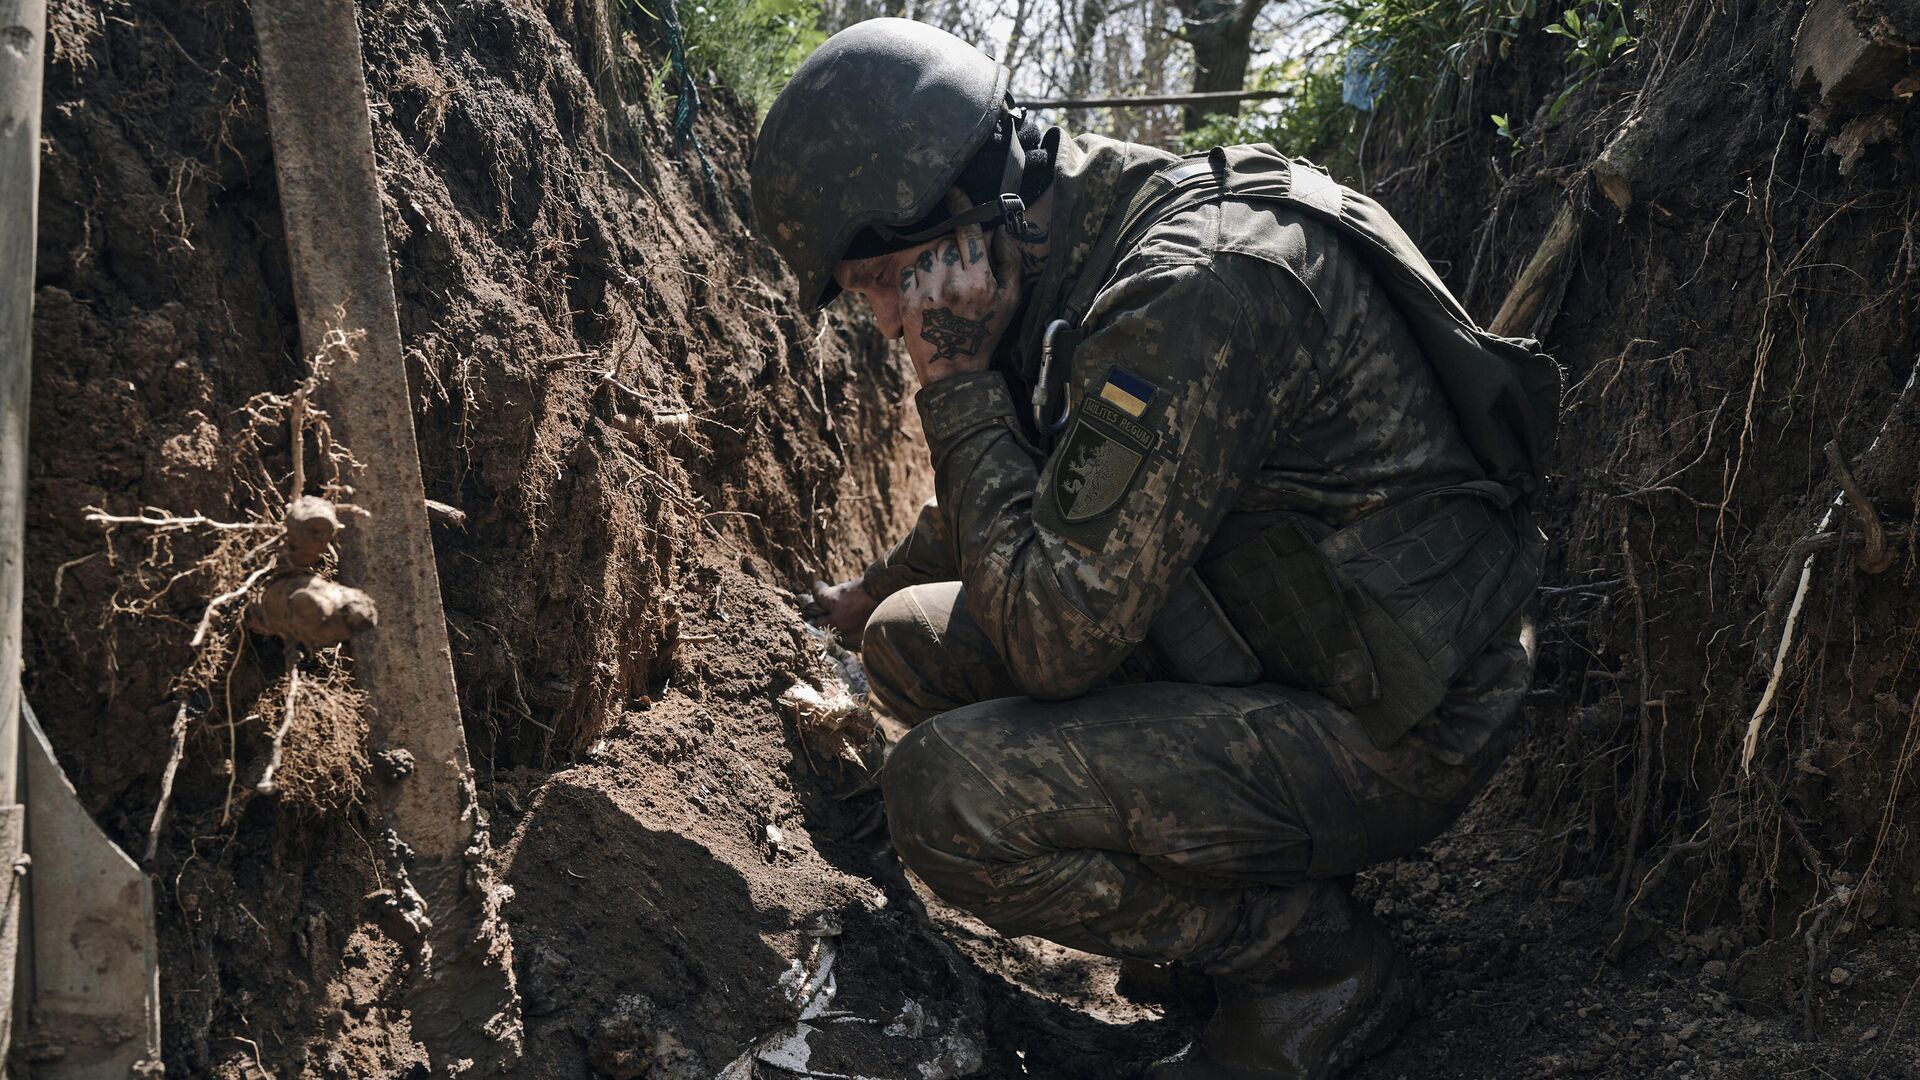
878,279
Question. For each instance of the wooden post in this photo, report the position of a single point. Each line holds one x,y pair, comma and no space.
23,31
464,1005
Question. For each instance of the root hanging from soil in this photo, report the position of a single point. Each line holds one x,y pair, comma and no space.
317,753
318,760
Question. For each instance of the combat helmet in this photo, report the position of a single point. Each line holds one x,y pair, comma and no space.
868,135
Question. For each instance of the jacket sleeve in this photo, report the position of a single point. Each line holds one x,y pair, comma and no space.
1065,564
923,555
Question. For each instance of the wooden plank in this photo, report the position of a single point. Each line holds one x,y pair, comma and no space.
1841,61
23,26
464,1004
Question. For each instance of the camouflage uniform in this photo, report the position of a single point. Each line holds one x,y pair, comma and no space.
1163,819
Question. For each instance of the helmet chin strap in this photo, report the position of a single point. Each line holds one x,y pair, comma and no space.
1006,210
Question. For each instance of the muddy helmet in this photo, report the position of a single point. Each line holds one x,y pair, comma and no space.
868,135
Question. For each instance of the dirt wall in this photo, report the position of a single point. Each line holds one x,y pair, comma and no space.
609,385
1750,301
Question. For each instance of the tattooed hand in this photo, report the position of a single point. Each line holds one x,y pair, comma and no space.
957,297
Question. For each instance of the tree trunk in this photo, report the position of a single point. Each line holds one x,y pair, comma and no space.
1221,33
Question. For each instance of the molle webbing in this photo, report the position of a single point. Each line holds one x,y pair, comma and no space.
1382,615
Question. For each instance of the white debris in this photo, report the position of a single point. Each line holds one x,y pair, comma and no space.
958,1056
845,664
909,1023
788,1050
826,710
809,983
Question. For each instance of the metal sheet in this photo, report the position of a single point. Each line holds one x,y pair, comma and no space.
95,976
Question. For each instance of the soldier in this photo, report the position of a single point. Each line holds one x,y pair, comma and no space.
1220,597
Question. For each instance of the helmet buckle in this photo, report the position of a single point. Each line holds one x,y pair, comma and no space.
1013,210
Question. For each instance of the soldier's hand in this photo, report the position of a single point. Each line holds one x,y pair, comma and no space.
957,299
845,607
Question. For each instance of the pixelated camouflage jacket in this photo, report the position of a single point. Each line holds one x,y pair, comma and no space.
1240,359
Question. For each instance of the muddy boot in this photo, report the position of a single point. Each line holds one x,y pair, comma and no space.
1334,993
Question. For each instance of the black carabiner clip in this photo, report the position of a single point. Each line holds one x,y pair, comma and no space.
1042,387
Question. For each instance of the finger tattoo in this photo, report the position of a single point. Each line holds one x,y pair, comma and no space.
952,335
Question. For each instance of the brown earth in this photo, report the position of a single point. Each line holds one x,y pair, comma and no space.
621,593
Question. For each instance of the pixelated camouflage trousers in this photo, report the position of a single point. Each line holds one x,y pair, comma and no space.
1159,821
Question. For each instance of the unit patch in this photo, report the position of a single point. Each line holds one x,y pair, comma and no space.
1101,455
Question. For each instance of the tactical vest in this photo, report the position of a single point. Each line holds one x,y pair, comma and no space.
1382,615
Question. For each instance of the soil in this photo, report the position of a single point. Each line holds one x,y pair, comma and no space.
650,451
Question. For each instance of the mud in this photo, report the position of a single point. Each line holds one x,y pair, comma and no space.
640,450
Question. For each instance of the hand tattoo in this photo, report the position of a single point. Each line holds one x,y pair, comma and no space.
950,253
952,335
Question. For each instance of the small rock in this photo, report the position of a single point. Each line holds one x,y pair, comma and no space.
623,1039
1839,976
1870,1034
1714,969
395,764
546,976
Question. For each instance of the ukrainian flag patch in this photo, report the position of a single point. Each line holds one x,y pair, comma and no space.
1128,392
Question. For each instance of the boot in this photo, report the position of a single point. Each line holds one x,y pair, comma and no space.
1336,992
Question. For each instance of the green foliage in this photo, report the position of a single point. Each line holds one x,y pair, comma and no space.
1596,38
1504,128
1415,51
750,46
1314,122
1421,47
753,45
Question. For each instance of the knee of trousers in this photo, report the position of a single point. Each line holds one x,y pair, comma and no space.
951,827
894,649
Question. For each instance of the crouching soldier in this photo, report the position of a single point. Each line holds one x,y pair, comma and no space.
1221,596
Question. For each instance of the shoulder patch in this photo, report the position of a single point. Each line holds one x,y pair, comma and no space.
1101,455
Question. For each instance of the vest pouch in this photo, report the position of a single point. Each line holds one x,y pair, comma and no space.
1379,617
1301,617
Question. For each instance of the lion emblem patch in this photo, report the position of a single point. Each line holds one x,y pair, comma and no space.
1098,461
